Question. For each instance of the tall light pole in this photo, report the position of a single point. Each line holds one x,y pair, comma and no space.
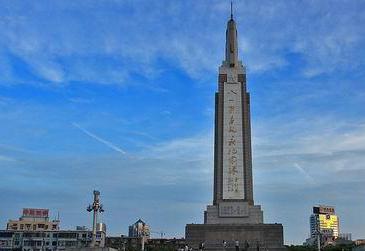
319,241
96,207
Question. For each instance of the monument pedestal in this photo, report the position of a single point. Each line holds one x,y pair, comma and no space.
262,236
90,249
238,212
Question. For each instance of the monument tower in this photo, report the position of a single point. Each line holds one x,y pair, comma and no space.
233,217
233,191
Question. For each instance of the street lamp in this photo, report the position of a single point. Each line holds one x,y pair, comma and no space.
96,207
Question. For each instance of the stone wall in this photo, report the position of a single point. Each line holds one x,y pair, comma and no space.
258,236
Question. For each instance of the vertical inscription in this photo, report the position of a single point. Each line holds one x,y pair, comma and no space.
233,182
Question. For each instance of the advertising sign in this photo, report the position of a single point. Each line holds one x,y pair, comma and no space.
35,212
324,210
328,221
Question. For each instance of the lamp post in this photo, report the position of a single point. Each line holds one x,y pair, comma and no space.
96,207
319,240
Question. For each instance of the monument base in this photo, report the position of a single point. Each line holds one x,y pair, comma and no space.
257,236
90,249
239,212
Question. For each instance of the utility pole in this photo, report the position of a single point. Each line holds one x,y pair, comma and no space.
319,241
96,207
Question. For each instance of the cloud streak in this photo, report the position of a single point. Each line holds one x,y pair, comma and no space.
6,158
307,176
101,140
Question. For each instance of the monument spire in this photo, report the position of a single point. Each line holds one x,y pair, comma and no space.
231,10
231,42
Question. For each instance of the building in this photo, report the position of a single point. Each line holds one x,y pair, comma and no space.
139,229
345,236
123,242
33,219
324,226
50,240
35,232
324,221
360,242
233,218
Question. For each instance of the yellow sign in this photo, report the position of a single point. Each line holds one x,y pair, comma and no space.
328,221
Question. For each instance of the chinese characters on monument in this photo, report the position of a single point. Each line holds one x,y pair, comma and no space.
232,146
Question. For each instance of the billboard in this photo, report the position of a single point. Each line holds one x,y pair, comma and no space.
329,223
35,212
323,210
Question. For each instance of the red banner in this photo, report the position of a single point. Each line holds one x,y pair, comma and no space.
35,212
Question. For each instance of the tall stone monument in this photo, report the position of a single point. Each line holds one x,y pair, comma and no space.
233,219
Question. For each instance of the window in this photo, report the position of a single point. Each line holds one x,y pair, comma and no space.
70,243
67,235
30,243
33,234
6,234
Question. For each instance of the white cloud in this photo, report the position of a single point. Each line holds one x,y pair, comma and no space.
323,149
198,147
57,48
6,158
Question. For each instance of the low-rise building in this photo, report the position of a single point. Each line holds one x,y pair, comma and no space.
360,242
345,236
35,232
139,229
33,219
47,240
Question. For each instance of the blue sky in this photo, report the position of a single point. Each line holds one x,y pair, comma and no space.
119,96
